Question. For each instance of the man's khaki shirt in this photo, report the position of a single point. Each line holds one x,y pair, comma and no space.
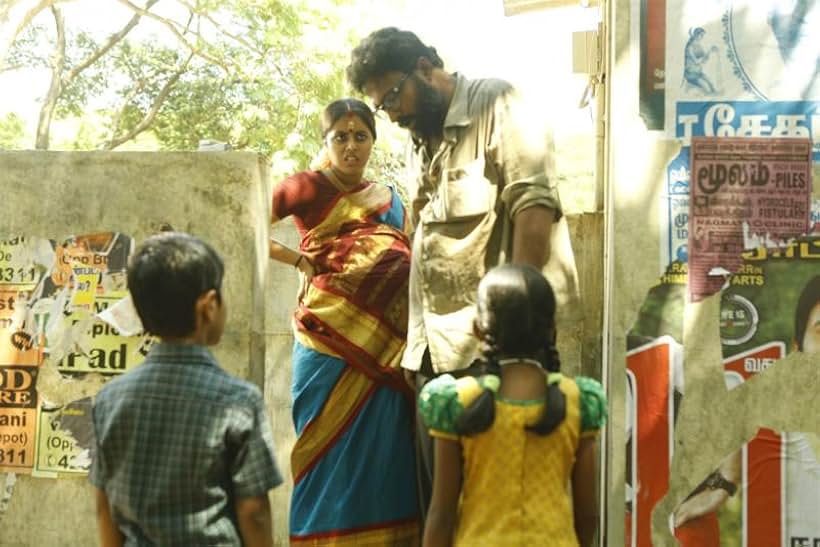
489,166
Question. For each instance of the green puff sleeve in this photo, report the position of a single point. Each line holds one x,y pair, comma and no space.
443,400
593,404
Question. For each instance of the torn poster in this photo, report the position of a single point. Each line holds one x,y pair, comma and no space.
743,192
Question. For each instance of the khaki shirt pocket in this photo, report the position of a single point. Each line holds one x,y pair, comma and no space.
466,192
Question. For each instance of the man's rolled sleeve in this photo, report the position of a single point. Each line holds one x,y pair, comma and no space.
520,196
522,145
254,470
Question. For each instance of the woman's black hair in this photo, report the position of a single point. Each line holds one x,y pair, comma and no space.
516,319
809,297
386,50
340,107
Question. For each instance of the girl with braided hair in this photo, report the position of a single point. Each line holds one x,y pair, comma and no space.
508,442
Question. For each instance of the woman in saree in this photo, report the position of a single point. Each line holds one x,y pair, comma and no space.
353,463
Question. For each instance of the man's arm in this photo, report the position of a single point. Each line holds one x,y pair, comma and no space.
110,535
532,228
707,499
255,524
522,150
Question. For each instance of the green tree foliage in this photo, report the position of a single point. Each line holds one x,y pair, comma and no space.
251,73
12,132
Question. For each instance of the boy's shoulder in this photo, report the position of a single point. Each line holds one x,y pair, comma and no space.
195,373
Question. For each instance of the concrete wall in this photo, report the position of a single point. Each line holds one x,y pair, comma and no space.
222,198
282,288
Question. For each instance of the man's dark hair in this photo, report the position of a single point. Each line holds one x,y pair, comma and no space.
809,298
340,107
166,275
385,50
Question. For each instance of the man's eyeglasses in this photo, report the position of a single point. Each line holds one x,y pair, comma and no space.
390,101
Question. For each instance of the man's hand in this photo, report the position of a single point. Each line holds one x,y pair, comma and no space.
410,377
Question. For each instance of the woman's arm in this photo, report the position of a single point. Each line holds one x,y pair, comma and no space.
286,255
584,499
110,535
441,518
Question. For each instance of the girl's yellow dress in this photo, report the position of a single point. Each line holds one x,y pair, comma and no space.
516,484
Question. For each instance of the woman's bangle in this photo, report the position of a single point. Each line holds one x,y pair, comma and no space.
298,260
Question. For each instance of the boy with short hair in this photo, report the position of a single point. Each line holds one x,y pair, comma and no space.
184,451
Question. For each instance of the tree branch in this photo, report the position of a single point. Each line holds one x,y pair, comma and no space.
218,26
115,123
8,16
111,42
10,68
148,119
56,87
172,26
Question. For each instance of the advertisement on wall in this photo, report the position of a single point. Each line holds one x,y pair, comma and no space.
63,305
654,389
753,51
744,193
741,95
65,439
761,322
795,119
22,263
740,50
734,68
767,493
654,385
652,18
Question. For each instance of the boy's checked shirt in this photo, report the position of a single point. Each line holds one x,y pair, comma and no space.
178,440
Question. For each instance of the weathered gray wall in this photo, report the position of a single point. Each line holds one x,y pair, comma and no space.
220,197
282,287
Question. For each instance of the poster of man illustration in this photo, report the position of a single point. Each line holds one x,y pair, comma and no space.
770,309
767,493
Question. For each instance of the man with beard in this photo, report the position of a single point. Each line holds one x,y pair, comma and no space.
481,197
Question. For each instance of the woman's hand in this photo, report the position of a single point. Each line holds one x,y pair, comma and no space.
306,272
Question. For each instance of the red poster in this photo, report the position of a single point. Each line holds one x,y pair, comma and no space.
650,399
